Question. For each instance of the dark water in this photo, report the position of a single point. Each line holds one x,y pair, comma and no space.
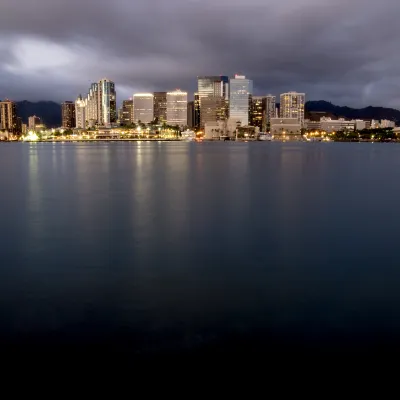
158,248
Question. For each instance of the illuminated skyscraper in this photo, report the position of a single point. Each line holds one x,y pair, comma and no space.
127,112
8,116
196,111
160,106
80,113
257,112
216,90
177,108
33,121
270,109
241,90
143,107
107,103
292,106
68,115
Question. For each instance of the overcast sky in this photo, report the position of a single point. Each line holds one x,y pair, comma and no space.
344,51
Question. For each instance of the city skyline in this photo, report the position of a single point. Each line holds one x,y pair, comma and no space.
321,51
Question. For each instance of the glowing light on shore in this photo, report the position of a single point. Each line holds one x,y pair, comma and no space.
31,137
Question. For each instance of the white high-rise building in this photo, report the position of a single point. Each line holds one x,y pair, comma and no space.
143,107
292,106
241,90
107,102
177,108
80,113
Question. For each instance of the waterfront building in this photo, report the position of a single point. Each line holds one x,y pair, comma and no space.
143,107
285,127
127,116
196,111
241,90
8,116
107,103
33,121
160,107
80,113
385,123
270,109
214,89
68,115
177,105
292,106
258,112
190,114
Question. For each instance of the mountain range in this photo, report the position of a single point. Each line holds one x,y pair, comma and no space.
50,112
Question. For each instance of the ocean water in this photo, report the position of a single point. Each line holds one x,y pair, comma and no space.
194,248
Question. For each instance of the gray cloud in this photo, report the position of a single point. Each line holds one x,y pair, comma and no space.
341,51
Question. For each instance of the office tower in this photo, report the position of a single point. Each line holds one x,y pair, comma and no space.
107,103
213,109
92,107
270,109
24,129
68,114
212,87
292,106
127,112
190,114
33,121
8,116
241,90
160,107
257,112
196,111
143,107
177,108
80,113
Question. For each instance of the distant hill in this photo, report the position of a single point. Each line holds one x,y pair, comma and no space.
48,111
314,107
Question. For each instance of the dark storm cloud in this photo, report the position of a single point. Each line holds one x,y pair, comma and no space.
338,50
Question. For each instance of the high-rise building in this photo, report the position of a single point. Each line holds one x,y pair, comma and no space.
177,108
107,103
8,116
68,115
241,90
80,113
127,112
160,106
216,87
33,121
292,106
190,114
257,112
270,109
196,111
143,107
92,105
213,109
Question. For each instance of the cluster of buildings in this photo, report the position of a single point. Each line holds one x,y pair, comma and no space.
220,107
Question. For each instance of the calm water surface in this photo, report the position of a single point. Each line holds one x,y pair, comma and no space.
169,247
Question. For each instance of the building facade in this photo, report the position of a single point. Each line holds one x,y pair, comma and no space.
68,115
127,116
211,87
107,103
241,90
190,114
80,113
270,109
285,127
258,112
33,121
8,117
160,107
177,105
196,111
292,106
143,107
